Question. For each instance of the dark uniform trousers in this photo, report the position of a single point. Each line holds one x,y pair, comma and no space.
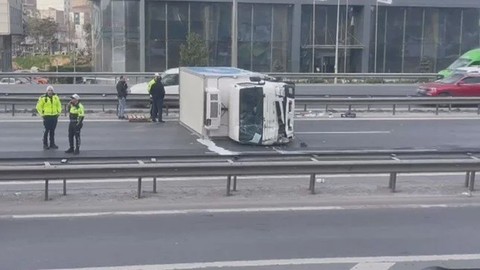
50,124
74,132
157,108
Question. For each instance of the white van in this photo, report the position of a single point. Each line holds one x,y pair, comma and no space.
169,80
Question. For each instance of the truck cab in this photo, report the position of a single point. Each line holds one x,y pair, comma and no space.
261,112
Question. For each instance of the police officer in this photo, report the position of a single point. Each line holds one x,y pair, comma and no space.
122,92
49,108
157,92
77,113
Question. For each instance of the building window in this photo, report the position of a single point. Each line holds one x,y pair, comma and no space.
264,37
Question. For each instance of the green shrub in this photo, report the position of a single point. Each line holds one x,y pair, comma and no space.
27,62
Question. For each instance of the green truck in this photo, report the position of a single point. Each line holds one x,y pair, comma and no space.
468,59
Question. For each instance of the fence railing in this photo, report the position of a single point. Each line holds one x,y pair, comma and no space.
393,101
303,102
10,102
232,169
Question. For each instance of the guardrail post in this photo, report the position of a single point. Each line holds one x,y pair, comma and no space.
229,181
154,185
103,107
235,183
394,109
393,181
312,183
13,109
467,179
305,107
436,109
139,189
478,109
471,184
64,187
46,189
409,108
65,109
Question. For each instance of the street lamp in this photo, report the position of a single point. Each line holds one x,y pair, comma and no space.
388,2
336,40
313,32
234,33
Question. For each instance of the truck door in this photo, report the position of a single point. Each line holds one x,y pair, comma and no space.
251,115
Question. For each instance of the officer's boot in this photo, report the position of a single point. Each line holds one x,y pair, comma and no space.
45,142
77,146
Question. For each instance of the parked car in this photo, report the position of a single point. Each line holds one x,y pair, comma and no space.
170,80
459,85
15,81
37,80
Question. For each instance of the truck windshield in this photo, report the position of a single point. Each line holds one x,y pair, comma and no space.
251,115
460,62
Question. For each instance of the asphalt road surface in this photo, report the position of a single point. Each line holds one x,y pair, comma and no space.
22,138
375,239
301,89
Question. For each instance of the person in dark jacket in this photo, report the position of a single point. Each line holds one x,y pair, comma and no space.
157,92
122,97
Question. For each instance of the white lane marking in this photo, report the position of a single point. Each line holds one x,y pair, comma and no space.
343,132
355,151
175,212
219,178
296,119
234,210
66,120
285,262
373,266
214,148
388,119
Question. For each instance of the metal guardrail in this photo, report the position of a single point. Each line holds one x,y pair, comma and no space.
301,101
233,169
273,74
355,75
393,101
309,77
99,100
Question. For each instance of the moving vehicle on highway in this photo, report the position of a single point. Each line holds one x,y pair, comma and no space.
468,59
169,79
458,85
474,69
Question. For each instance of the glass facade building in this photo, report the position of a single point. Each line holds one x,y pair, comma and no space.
287,35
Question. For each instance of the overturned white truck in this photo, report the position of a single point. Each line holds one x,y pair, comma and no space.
248,107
